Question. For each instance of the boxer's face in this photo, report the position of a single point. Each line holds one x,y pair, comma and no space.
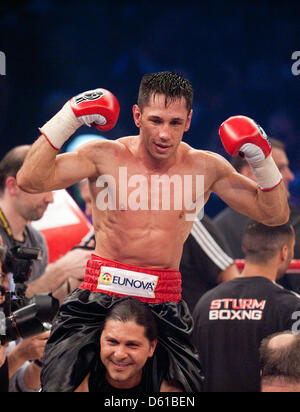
162,126
124,351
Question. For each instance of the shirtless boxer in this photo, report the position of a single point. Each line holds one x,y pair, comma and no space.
148,242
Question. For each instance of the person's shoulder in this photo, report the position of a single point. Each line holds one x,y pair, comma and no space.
211,160
216,292
35,233
286,294
285,301
205,300
111,147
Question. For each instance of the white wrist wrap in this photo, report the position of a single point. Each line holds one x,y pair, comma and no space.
266,173
60,127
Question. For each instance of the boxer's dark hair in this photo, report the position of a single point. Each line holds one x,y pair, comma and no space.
171,85
261,243
11,163
131,309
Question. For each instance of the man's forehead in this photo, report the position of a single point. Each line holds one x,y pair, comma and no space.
123,330
161,103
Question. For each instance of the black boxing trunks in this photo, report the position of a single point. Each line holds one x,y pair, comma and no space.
73,347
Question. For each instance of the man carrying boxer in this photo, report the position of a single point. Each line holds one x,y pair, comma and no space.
138,249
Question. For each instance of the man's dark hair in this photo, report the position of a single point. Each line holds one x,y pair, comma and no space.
131,309
260,243
238,162
172,85
11,163
282,361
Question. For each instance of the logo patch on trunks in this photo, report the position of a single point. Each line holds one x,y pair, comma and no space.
127,282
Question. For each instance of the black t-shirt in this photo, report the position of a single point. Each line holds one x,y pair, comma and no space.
230,322
232,225
205,254
98,383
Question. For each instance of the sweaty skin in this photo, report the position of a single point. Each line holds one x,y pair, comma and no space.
149,238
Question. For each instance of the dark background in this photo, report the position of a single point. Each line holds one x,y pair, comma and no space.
237,55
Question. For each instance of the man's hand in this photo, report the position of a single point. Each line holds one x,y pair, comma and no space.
97,107
32,348
27,350
74,262
71,265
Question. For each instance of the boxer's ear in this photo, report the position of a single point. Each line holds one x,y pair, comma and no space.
136,111
188,121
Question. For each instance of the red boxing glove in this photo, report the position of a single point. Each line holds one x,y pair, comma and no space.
242,135
98,107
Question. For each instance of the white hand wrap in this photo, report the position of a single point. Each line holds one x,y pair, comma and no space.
266,173
61,126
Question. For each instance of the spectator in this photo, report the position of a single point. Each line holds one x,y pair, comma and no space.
280,363
233,318
127,343
17,209
18,374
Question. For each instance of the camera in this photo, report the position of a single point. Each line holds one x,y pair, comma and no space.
30,320
24,317
18,261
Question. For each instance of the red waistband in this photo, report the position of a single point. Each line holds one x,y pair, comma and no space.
167,288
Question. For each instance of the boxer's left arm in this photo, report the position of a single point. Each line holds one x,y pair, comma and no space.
247,197
242,135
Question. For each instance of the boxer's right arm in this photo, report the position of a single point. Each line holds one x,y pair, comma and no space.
43,170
